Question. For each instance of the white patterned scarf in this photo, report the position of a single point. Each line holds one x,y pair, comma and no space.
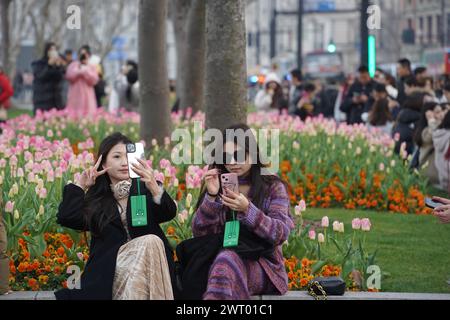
121,189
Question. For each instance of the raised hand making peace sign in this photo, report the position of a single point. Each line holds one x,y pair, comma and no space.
88,177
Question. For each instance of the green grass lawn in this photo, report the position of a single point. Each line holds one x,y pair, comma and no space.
414,250
12,113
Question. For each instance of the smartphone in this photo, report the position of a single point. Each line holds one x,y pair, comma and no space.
230,181
432,204
134,151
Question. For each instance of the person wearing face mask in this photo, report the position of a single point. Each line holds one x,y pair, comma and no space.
82,77
126,262
48,75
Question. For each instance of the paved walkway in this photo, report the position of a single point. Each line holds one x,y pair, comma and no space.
292,295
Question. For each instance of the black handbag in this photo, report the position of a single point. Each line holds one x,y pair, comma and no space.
321,287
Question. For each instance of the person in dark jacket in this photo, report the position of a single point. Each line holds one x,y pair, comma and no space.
296,91
48,80
403,73
359,98
407,121
99,202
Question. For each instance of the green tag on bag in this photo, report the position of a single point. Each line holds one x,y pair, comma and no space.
138,211
231,235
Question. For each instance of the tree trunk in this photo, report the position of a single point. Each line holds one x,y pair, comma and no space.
225,94
153,78
4,8
193,59
180,10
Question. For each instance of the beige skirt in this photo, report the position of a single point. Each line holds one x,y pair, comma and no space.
142,272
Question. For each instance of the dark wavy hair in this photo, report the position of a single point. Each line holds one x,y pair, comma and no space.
101,205
423,122
260,184
47,47
446,122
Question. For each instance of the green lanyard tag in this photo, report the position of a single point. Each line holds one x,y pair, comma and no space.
138,209
231,235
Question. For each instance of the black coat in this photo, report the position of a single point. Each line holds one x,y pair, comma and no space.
97,278
47,85
405,126
353,110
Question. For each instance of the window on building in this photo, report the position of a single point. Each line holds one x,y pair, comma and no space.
421,29
430,29
439,28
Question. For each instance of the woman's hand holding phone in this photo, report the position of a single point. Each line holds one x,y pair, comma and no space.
235,201
144,170
88,177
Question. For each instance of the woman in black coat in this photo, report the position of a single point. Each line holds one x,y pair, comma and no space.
48,80
407,121
98,211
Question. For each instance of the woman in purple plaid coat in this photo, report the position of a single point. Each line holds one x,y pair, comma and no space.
261,205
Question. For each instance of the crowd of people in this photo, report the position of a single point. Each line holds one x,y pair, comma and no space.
413,109
58,81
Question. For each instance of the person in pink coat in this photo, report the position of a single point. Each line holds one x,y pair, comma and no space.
82,78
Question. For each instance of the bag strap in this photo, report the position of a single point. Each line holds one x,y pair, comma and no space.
313,293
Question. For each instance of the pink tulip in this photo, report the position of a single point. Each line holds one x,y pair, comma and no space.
336,226
302,205
321,238
312,235
365,224
58,172
50,176
183,216
325,222
9,208
356,224
43,193
20,173
30,177
164,163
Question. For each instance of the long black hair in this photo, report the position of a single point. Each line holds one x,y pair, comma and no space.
260,184
47,47
380,114
100,202
132,78
446,122
423,122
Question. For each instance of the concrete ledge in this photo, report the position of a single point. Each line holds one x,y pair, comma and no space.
349,295
29,295
291,295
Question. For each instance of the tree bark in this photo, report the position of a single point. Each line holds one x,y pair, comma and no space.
4,7
193,59
179,16
153,78
225,92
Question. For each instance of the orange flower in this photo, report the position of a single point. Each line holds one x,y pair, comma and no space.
22,267
60,251
170,231
33,284
303,282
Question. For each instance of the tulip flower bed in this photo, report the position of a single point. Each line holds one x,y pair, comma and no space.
329,166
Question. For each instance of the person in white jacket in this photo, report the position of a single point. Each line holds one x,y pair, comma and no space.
268,98
441,141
